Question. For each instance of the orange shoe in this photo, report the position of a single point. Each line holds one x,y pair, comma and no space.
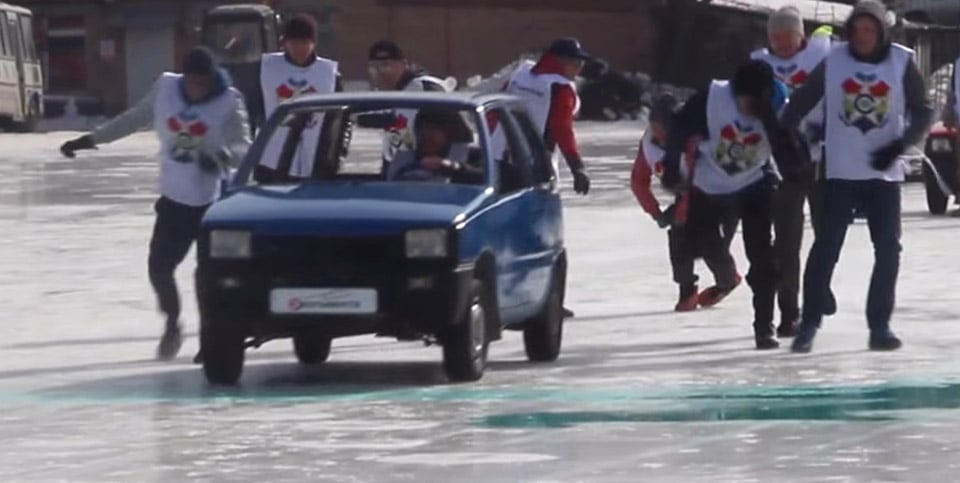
689,299
714,295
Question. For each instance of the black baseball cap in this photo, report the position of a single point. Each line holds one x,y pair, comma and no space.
199,61
386,50
568,47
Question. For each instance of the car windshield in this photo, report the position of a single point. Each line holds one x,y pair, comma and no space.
427,144
234,41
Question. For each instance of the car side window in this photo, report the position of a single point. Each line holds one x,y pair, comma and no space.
542,166
514,164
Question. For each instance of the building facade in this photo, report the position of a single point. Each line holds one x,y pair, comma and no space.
111,50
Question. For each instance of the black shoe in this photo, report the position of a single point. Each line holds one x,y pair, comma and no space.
567,313
198,359
765,343
886,342
787,329
170,344
830,304
803,341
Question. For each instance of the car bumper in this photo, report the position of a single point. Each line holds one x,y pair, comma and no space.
413,302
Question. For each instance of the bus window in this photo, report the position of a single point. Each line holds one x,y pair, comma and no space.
5,49
26,31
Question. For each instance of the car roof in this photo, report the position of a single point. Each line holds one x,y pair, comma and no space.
242,9
401,99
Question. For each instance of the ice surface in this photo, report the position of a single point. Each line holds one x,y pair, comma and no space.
640,393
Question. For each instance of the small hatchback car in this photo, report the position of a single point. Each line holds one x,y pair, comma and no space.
454,240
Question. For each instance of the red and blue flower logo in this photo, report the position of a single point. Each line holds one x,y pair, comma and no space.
189,136
866,102
294,88
738,147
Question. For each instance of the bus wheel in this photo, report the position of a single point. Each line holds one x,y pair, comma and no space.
30,121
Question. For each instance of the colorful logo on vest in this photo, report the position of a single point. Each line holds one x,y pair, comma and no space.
737,147
189,135
294,88
866,102
398,136
792,75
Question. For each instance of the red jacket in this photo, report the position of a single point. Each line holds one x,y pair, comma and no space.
563,105
641,180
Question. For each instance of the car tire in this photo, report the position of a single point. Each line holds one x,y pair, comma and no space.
223,353
543,335
465,343
311,349
936,200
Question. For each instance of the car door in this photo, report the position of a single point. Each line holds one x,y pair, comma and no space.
528,231
543,201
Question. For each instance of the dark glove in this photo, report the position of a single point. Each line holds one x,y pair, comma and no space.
668,218
581,181
69,148
884,157
771,179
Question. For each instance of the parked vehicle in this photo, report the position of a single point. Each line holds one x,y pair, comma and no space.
940,176
21,78
350,252
607,94
239,35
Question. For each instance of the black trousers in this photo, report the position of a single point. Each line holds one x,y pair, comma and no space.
752,205
788,224
683,254
175,229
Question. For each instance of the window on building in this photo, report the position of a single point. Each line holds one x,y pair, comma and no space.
66,52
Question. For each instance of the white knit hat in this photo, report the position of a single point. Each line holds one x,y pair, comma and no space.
786,19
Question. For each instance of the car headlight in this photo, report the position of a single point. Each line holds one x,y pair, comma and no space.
941,145
426,243
230,244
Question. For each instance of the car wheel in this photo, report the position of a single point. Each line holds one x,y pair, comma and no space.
310,348
223,350
465,343
543,334
936,200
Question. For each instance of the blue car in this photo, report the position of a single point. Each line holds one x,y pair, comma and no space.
454,240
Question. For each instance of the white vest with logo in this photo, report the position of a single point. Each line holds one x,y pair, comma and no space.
281,81
956,88
866,110
733,156
186,132
654,155
537,91
399,135
793,72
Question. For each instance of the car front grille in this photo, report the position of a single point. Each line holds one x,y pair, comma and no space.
339,261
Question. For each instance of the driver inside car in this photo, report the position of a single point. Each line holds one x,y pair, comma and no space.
442,151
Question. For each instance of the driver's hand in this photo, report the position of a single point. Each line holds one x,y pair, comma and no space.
433,163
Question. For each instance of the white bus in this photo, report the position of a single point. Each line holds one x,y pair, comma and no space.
21,79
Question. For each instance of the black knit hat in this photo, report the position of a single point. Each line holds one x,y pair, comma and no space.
753,79
300,27
199,61
664,107
386,50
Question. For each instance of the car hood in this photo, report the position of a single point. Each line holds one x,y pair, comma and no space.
345,208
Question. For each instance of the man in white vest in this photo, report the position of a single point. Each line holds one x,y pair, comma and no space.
295,72
876,107
551,94
201,124
734,122
792,58
390,70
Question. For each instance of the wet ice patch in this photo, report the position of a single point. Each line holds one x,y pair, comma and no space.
470,459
